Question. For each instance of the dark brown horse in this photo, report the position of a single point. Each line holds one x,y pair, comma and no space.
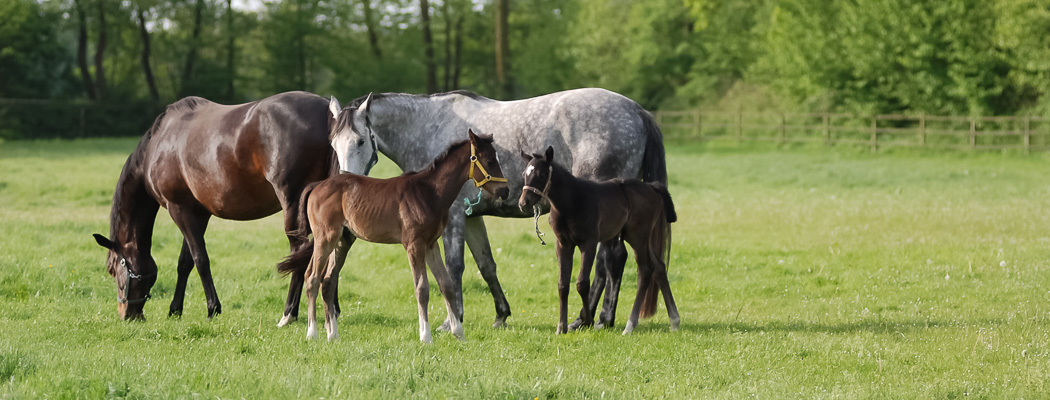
411,210
201,159
585,213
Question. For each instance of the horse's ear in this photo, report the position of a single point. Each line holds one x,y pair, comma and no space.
334,107
549,154
364,104
104,242
525,156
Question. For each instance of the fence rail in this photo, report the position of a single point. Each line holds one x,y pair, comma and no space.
1023,133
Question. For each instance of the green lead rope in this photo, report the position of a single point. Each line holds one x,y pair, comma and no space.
470,207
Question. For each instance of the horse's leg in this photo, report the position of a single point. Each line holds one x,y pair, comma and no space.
565,252
660,278
417,261
645,275
290,204
184,268
453,241
453,299
323,247
329,287
615,258
587,253
193,223
477,238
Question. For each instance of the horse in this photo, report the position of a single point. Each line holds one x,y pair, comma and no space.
598,135
239,162
411,210
584,213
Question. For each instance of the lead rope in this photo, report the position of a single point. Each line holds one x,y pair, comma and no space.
536,222
470,207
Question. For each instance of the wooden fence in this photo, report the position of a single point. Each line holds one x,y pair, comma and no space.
1020,133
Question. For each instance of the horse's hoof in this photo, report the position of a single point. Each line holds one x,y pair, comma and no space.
674,324
501,322
287,319
212,312
174,313
311,334
426,339
333,337
579,323
445,326
629,328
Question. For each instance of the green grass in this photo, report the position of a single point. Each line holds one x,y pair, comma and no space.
802,273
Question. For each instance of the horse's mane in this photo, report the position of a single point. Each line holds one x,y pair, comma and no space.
131,170
439,159
471,95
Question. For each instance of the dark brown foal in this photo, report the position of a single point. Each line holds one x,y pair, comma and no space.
585,213
411,209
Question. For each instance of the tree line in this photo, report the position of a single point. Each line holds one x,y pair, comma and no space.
977,57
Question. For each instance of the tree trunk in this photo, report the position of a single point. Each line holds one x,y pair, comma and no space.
370,26
448,44
229,51
459,51
503,49
428,45
100,52
82,62
191,57
301,38
144,35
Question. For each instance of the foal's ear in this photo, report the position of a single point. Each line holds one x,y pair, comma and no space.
334,107
525,156
472,135
549,154
104,242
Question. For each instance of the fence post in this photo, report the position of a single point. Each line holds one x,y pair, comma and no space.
827,130
698,130
1027,133
739,127
922,129
973,133
874,134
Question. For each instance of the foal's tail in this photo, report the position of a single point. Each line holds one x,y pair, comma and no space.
299,260
659,250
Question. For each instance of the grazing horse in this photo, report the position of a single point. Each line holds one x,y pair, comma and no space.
411,210
241,162
585,213
598,135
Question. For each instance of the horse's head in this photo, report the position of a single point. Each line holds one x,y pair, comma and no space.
352,138
135,273
485,170
536,177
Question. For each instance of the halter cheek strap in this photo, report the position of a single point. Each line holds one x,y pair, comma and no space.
481,169
127,285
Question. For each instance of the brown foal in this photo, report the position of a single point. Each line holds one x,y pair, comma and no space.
585,213
411,209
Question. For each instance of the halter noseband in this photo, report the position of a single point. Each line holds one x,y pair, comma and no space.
127,285
474,161
546,188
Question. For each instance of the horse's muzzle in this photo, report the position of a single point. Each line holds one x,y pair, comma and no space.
502,193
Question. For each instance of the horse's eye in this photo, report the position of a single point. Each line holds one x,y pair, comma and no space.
360,142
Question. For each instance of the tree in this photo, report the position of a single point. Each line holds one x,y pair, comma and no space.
428,46
373,40
100,51
191,55
146,67
82,39
503,49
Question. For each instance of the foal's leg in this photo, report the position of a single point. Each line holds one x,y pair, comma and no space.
184,268
587,252
565,252
323,247
453,240
645,276
478,242
329,287
193,223
615,254
660,278
416,260
453,299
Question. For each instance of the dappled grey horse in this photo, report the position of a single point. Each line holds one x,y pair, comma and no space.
597,135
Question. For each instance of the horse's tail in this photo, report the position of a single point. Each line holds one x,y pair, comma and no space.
654,162
299,260
659,250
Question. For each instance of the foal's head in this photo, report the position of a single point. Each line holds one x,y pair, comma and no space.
536,177
485,170
352,138
135,274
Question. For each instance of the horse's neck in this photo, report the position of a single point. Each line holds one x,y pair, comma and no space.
562,184
134,211
448,175
411,130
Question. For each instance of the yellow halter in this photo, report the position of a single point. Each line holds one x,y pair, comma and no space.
474,161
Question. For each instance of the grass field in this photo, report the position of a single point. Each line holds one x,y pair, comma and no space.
800,273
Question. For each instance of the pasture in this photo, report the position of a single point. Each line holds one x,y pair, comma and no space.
803,273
